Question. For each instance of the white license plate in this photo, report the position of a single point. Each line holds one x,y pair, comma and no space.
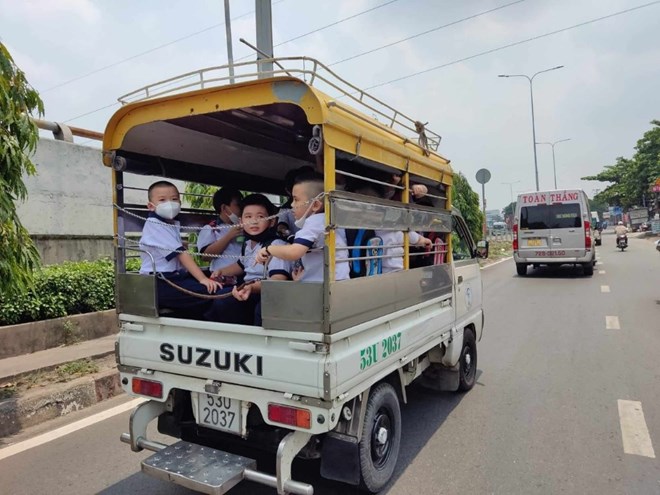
220,413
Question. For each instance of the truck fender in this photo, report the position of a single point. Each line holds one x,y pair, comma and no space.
454,347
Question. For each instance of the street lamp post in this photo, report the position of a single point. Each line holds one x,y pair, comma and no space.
554,166
531,97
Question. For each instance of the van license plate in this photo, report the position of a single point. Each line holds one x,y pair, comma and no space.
534,242
220,413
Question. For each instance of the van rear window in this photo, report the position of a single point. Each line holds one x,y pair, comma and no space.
560,216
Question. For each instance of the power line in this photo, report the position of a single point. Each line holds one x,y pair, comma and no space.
337,22
151,50
512,45
453,23
207,29
91,112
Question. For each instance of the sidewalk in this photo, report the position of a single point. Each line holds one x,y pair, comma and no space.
36,405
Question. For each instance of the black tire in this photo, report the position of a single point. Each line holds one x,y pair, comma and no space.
588,269
381,438
468,363
521,268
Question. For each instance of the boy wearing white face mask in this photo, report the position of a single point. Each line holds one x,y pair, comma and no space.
307,208
224,235
161,238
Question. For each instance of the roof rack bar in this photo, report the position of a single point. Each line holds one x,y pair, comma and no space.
318,74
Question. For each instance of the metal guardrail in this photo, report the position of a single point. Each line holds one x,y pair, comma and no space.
311,71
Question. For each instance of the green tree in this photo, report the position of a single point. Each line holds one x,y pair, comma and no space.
467,201
18,140
631,178
509,209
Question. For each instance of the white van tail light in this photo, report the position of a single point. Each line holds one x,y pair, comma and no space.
515,237
587,235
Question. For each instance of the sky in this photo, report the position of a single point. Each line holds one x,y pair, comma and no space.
83,54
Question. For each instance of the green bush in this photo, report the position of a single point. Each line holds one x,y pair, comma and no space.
62,290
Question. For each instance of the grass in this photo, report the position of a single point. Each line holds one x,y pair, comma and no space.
75,369
7,391
499,249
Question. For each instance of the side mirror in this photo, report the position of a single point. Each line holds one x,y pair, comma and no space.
482,249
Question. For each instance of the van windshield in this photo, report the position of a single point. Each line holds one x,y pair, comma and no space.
558,216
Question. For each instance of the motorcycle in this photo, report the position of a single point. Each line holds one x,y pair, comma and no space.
622,241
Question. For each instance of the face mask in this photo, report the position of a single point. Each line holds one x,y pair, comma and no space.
301,221
168,209
233,218
261,237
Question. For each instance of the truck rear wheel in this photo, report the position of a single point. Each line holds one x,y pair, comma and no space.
468,362
381,438
521,268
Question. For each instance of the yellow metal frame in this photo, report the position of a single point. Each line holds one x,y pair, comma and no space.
344,128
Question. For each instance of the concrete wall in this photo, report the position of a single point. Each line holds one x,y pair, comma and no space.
69,205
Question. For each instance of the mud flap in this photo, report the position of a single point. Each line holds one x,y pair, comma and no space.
441,378
340,458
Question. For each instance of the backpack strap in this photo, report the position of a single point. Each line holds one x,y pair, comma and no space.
358,238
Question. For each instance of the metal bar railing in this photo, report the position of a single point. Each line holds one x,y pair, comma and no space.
318,72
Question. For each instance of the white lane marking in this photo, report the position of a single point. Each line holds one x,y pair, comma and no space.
601,272
635,434
65,430
604,288
612,323
496,263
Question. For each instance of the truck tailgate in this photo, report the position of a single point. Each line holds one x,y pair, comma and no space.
249,356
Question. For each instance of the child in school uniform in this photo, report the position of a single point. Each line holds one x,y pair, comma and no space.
223,236
161,240
245,307
308,210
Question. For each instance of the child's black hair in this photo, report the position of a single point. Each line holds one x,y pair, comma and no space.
225,196
160,183
259,200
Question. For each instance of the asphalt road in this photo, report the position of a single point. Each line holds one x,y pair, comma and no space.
545,417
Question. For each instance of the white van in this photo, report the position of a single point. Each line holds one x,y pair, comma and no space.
553,228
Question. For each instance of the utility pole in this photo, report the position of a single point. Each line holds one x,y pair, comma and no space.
230,50
264,24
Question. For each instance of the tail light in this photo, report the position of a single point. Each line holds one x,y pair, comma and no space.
149,388
515,237
290,415
587,235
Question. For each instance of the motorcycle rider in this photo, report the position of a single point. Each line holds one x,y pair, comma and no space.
621,230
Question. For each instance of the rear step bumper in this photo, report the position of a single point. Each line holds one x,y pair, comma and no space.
208,470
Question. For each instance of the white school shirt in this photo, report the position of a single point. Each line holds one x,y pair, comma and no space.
162,239
312,235
394,238
208,235
254,271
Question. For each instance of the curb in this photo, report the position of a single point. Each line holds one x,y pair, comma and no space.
59,400
18,376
